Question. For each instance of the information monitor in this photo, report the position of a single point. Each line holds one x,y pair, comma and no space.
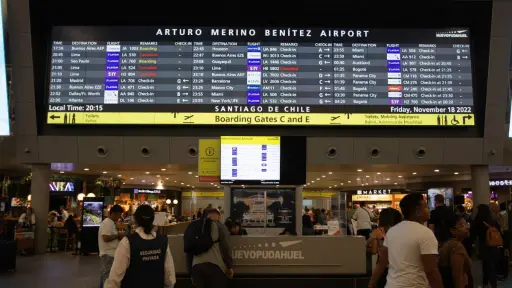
260,76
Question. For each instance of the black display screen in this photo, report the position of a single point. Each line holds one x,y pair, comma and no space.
260,76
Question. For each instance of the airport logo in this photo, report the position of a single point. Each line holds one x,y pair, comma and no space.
271,251
453,34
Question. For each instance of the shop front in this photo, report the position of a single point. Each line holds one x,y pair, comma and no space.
160,199
380,198
192,201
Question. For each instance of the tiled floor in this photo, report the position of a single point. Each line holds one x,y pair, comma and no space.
62,270
59,270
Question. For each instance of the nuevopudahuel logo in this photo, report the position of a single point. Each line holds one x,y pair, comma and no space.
453,34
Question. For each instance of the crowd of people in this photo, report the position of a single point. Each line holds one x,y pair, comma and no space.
438,254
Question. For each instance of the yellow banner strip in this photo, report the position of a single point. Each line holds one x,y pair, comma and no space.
366,119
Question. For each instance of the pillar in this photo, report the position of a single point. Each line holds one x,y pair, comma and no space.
480,185
298,210
227,202
41,174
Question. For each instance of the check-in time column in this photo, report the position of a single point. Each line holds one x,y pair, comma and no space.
111,92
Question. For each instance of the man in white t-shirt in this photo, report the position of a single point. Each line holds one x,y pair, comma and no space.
108,240
363,216
410,249
63,214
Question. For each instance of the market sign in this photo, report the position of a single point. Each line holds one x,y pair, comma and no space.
374,192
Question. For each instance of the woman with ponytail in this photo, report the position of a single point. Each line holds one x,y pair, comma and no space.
142,253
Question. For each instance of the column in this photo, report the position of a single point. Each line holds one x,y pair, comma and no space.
227,202
40,202
480,185
298,210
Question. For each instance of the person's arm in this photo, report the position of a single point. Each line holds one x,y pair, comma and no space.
170,272
429,251
457,264
354,216
226,246
381,266
33,219
121,263
108,234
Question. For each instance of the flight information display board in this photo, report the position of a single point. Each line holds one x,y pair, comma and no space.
260,76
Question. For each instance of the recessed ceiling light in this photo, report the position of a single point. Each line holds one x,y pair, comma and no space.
143,181
152,183
330,173
86,169
414,173
188,185
399,176
147,172
317,179
163,169
323,176
376,181
456,173
131,178
104,172
312,181
307,184
341,183
119,175
357,179
330,187
157,175
335,185
395,183
437,170
124,183
387,179
196,176
61,172
359,170
174,181
378,173
347,181
166,178
210,183
182,183
193,187
189,173
367,176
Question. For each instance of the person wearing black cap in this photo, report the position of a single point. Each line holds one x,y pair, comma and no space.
143,252
214,267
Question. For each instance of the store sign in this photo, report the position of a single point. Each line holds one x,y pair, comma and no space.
61,186
388,197
146,191
500,182
202,194
374,192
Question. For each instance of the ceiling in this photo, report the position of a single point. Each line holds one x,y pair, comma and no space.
318,177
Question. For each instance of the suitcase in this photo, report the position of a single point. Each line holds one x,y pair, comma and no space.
7,255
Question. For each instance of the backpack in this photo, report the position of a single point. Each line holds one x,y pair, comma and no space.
493,236
198,237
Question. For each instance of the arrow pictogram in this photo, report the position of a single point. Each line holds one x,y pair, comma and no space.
53,117
467,117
